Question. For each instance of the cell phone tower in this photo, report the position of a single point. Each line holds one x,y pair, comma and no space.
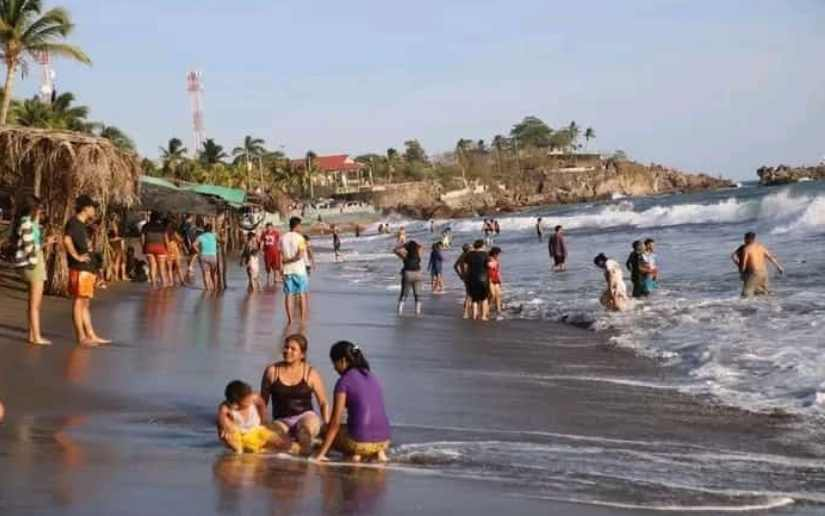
47,92
195,89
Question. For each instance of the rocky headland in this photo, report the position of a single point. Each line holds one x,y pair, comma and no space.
545,186
783,174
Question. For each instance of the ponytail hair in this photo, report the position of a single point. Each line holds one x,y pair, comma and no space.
352,353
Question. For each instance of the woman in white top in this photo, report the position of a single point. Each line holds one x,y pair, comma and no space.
614,298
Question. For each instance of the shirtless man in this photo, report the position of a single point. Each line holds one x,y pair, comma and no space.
753,267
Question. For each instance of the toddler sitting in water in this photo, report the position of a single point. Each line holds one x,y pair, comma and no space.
240,420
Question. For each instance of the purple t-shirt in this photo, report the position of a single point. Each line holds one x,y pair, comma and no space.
366,418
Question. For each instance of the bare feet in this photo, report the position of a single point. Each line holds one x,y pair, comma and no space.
40,342
87,343
98,340
382,457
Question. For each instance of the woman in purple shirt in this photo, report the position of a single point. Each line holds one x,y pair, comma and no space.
367,432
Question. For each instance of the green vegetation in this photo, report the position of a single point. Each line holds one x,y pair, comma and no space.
25,32
530,143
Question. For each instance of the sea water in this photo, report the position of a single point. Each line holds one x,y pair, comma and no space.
760,354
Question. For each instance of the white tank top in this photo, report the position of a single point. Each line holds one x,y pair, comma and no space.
246,419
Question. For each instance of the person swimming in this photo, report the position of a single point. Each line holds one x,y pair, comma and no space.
614,297
240,421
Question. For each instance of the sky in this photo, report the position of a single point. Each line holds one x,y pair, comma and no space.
716,86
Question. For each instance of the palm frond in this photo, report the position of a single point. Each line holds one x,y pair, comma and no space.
53,23
63,50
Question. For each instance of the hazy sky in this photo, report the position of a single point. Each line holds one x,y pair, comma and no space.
718,86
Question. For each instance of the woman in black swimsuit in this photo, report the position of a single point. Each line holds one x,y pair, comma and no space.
291,385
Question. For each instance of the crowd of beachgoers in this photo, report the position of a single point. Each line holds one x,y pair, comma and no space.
171,247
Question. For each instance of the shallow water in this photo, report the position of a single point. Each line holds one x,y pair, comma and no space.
761,354
521,416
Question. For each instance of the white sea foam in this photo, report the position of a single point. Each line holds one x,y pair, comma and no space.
760,355
769,503
811,219
776,206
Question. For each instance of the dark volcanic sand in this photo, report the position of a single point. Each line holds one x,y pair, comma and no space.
513,417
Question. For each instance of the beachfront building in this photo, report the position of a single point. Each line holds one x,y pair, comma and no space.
338,173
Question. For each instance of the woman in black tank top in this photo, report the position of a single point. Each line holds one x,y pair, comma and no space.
291,385
410,254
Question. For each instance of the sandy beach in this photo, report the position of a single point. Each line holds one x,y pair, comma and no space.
521,417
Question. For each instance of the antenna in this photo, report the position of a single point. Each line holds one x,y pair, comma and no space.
195,89
46,92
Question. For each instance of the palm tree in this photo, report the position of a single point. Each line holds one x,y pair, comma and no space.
498,143
31,113
25,30
252,148
120,139
68,116
171,156
573,131
589,134
461,149
60,114
211,153
309,165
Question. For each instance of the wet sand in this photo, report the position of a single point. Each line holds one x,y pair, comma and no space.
516,417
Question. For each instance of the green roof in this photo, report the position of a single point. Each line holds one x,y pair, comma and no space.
233,196
158,181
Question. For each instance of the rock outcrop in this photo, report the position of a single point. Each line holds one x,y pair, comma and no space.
545,187
783,174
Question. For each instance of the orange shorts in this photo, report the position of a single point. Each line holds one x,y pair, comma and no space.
82,284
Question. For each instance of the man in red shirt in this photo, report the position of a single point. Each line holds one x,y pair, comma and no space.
272,252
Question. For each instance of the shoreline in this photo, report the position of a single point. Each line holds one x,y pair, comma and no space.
150,397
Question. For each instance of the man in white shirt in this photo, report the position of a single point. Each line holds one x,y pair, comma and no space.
296,281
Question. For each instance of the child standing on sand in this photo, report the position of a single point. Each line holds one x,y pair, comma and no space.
249,257
494,272
436,266
240,421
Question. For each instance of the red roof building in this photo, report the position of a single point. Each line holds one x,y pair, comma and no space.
338,170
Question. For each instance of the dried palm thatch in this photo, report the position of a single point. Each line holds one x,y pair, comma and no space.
60,165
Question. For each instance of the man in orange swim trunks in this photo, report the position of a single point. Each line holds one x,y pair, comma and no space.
82,271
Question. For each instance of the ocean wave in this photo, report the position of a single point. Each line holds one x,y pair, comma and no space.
778,206
810,220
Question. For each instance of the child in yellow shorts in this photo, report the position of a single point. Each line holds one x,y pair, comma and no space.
240,421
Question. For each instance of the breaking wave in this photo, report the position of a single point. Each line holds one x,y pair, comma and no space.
780,206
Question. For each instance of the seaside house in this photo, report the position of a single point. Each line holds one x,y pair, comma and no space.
338,173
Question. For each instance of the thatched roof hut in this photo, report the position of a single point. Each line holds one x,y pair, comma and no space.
60,165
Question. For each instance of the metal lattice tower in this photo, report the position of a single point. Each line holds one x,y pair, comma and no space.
46,91
195,89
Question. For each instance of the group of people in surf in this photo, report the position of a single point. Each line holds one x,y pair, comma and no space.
644,275
751,260
478,267
290,386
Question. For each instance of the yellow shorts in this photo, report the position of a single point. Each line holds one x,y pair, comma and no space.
252,441
345,443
